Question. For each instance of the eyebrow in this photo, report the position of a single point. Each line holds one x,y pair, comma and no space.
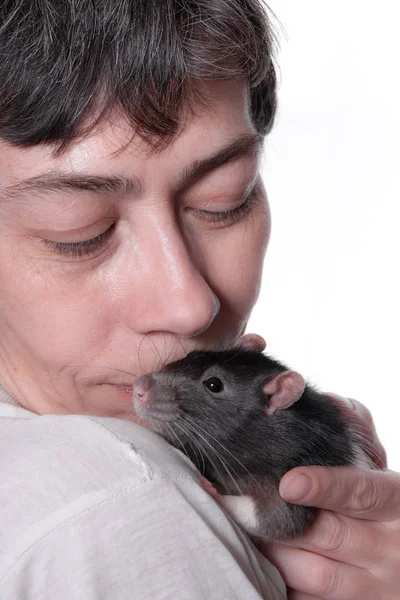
56,181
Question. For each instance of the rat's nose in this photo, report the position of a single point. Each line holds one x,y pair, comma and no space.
142,389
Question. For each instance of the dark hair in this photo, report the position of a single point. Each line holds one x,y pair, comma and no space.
67,64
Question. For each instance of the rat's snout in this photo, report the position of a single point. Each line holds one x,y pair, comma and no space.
143,389
155,402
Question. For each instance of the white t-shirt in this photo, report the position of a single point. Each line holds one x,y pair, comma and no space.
97,508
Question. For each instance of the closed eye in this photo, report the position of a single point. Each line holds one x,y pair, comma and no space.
80,249
228,216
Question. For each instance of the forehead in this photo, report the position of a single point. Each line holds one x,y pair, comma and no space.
112,147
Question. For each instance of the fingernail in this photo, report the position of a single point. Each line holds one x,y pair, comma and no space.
296,488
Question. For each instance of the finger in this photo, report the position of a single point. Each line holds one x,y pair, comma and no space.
252,341
352,541
362,494
358,413
308,573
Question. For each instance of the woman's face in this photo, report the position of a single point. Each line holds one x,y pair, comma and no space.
113,262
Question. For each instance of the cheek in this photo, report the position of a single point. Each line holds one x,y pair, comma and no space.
37,309
236,259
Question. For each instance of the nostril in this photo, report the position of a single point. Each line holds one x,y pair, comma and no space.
142,389
142,396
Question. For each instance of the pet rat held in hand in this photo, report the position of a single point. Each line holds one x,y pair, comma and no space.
245,419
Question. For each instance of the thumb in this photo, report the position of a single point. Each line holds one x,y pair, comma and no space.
363,494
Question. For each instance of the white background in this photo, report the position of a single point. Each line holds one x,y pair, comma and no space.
330,300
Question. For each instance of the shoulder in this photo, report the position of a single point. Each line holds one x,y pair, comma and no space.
51,462
123,500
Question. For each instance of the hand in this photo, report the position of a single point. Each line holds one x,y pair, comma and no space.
352,551
353,410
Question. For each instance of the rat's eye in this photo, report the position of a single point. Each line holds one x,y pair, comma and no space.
214,384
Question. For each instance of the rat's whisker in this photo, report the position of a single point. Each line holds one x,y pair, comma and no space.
193,427
195,445
138,354
210,460
184,425
146,338
230,453
171,430
101,371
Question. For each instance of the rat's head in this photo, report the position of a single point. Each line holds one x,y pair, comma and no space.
214,394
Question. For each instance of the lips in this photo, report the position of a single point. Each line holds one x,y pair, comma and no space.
125,389
123,386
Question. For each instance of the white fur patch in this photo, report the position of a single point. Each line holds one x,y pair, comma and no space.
242,509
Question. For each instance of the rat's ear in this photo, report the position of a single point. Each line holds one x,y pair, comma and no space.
283,390
251,341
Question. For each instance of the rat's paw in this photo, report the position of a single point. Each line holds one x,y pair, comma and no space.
209,488
242,509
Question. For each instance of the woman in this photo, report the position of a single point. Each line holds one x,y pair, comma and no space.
133,227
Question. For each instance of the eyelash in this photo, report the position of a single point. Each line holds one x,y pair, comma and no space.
229,216
81,249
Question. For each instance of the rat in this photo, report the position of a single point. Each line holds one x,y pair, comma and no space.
244,419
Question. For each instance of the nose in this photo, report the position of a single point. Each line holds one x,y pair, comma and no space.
169,291
142,390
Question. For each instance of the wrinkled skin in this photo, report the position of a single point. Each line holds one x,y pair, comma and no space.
74,331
